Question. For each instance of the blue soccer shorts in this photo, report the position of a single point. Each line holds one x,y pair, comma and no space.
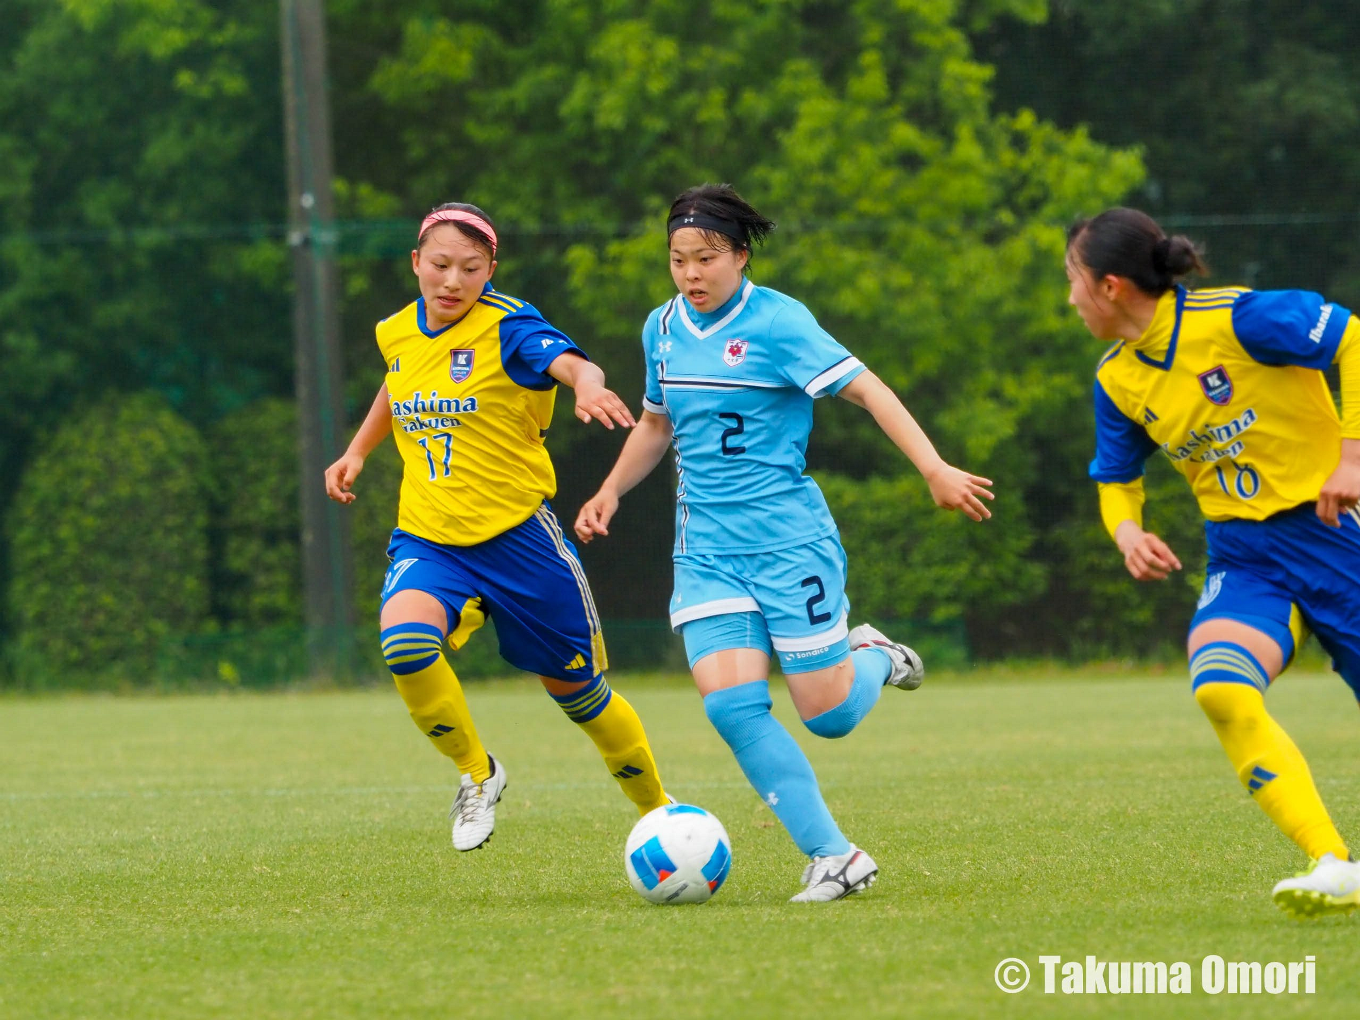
529,580
795,599
1286,576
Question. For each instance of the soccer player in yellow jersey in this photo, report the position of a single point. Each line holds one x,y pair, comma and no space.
1227,384
471,378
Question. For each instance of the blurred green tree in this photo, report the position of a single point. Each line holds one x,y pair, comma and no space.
141,180
109,539
1247,112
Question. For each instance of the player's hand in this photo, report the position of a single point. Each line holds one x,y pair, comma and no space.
604,405
1340,493
1147,557
595,516
955,489
341,475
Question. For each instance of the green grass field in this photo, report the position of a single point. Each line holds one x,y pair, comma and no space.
288,856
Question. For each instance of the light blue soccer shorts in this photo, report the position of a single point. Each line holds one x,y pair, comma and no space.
790,602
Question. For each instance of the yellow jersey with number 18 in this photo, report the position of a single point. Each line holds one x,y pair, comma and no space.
471,404
1228,384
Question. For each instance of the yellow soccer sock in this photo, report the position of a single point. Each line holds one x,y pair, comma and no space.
1270,766
610,721
433,695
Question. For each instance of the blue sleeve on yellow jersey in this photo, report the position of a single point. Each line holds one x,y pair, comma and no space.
529,344
652,398
1122,445
1289,327
810,357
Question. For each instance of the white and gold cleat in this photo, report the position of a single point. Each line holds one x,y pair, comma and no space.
1330,886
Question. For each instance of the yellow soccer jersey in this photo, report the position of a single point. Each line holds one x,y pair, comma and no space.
471,404
1228,384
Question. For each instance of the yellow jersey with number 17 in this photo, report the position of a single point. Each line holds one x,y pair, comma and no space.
1228,384
471,404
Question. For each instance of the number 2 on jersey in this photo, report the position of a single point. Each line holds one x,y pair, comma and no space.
738,427
448,451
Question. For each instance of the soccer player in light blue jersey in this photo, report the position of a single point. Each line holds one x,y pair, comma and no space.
732,371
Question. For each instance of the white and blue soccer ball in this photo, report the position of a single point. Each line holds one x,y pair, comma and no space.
677,854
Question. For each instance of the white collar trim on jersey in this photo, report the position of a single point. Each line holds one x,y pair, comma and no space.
747,289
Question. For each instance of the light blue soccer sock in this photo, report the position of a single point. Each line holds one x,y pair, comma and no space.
775,765
872,669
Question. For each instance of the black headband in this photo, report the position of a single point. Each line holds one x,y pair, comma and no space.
728,228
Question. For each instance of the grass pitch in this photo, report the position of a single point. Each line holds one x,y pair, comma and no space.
288,856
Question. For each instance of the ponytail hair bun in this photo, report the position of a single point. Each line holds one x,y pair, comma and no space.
1183,257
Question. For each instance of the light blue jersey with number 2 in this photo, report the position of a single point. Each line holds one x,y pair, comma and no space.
752,533
738,385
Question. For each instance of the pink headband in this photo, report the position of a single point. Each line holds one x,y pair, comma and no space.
459,216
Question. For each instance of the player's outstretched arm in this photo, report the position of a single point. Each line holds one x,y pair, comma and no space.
640,454
377,426
951,487
593,400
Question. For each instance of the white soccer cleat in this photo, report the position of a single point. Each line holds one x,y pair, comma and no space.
1330,886
907,669
834,878
474,809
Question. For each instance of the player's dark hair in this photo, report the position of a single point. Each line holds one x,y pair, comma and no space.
726,220
1129,243
469,231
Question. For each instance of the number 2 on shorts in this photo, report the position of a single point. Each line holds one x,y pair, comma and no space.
815,617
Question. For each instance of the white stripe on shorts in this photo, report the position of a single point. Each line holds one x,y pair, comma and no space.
718,607
806,644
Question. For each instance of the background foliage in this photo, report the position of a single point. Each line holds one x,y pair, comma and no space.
109,558
922,158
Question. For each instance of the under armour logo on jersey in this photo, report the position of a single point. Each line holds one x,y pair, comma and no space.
663,348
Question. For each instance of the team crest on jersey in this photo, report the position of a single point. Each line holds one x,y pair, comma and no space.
735,352
1216,385
460,364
